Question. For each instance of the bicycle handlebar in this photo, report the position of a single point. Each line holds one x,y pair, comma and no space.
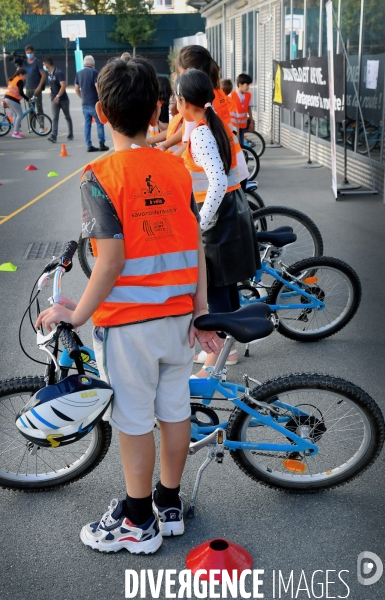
65,260
68,341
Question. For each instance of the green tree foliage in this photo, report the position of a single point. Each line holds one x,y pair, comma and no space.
89,7
12,26
134,22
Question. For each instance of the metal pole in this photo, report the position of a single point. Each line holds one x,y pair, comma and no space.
66,61
309,118
345,120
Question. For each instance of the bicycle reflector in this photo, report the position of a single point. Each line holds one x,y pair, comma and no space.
296,466
310,280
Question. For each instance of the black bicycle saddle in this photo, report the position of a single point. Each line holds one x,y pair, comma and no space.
245,325
277,238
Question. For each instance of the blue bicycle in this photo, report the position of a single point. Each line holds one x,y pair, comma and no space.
300,433
40,123
315,297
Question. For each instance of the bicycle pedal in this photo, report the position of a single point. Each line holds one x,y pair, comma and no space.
220,447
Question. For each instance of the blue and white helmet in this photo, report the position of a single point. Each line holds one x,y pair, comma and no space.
65,412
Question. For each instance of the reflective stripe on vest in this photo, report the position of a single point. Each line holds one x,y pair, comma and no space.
149,265
136,294
242,109
160,232
12,89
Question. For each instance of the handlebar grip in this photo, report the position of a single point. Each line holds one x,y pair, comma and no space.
69,343
69,251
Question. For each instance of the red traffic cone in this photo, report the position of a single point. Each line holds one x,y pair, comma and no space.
63,150
218,554
31,168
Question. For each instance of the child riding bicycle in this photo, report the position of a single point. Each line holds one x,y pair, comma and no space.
148,283
13,94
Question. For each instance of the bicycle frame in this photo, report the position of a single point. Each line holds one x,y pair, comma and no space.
204,390
296,290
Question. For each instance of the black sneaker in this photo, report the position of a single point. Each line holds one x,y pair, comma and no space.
70,137
103,147
170,518
51,139
92,149
115,531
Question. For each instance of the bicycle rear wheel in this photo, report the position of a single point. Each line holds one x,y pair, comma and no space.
252,161
309,240
254,200
328,279
27,467
86,256
41,124
5,124
256,141
342,420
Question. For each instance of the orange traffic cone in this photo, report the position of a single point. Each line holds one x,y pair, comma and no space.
63,150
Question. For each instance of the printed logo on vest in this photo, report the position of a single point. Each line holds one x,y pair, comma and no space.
157,227
152,188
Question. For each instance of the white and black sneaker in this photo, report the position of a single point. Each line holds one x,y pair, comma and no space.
115,531
170,519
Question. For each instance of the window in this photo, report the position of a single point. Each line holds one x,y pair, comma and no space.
163,3
214,42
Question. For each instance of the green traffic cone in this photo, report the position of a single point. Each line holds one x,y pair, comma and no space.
8,267
52,174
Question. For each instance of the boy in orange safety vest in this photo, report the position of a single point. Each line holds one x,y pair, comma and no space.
147,287
242,98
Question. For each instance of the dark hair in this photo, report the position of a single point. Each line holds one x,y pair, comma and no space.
165,90
226,86
244,78
195,87
48,61
198,57
128,93
29,47
19,71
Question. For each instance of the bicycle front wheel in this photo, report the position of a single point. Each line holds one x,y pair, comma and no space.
309,240
256,141
30,468
328,279
86,256
252,161
5,124
41,124
338,417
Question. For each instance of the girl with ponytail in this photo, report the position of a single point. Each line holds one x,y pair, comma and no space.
229,237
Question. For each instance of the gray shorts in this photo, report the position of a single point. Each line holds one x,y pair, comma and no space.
148,366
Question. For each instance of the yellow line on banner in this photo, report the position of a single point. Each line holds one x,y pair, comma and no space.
19,210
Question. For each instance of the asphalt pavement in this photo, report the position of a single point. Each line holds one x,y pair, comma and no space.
41,553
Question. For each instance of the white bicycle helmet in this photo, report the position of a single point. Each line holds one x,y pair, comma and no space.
65,412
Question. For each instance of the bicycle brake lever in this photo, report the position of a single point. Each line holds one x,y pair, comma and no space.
43,340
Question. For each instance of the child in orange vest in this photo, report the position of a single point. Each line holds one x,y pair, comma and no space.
242,98
227,86
147,286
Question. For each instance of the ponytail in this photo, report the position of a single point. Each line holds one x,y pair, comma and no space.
217,128
195,87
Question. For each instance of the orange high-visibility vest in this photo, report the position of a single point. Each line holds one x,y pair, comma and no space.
222,107
242,109
199,178
173,126
152,197
233,113
12,89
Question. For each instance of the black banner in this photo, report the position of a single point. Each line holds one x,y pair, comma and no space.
302,85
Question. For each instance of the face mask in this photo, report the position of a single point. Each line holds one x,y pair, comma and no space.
30,55
45,68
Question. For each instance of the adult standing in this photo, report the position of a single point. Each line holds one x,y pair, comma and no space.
35,77
59,99
86,88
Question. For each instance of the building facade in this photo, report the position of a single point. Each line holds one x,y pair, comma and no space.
246,35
